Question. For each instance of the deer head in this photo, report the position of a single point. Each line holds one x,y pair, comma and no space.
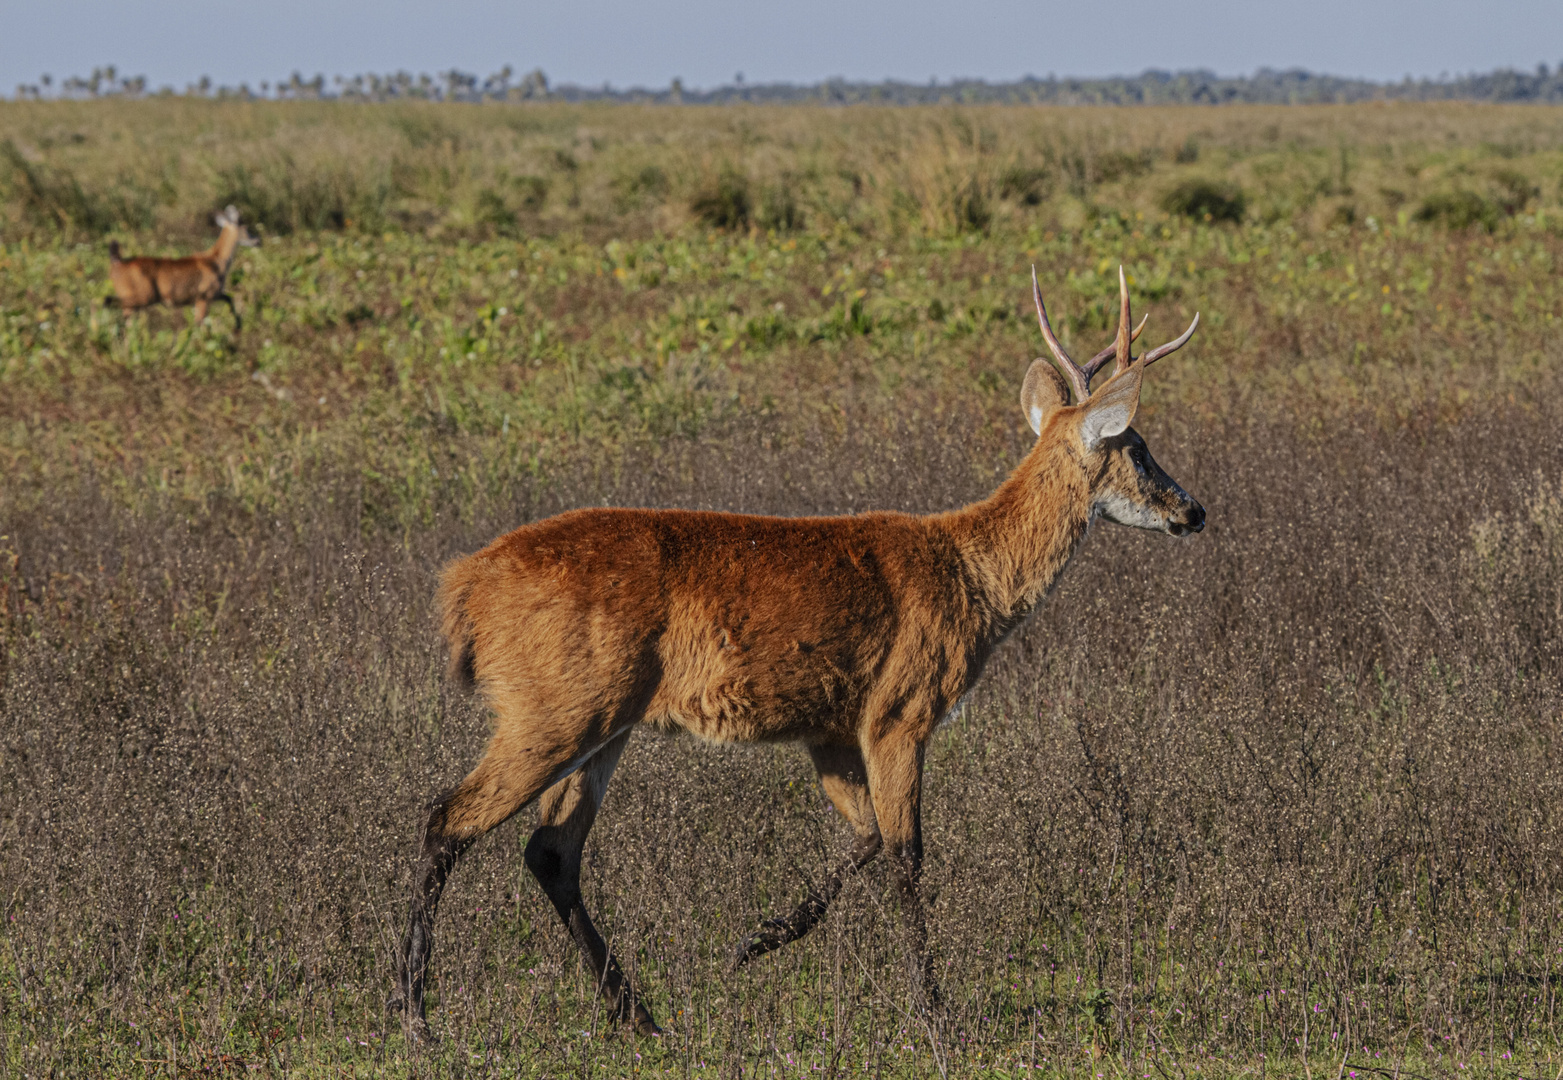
229,219
1126,484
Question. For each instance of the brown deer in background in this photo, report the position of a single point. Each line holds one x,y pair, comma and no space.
193,279
854,636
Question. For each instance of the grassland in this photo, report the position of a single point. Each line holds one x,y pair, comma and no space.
1280,799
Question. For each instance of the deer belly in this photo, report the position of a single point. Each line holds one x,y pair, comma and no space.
721,690
181,282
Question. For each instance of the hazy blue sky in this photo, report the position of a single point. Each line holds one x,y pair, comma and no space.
637,42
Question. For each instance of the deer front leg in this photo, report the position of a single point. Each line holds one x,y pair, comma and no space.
895,780
845,780
238,323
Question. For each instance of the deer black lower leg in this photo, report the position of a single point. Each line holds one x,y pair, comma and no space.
440,853
775,933
238,323
559,875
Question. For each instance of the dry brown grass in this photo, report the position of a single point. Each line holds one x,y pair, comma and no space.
1310,752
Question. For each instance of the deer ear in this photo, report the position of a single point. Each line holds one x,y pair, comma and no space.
1111,409
1043,391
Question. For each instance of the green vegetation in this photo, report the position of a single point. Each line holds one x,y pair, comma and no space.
1278,793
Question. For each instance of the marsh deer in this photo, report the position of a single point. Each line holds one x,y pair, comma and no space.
194,279
854,636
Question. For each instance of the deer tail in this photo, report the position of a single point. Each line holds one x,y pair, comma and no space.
456,623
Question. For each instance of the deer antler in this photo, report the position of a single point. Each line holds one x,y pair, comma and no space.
1079,376
1077,379
1093,365
1120,347
1124,322
1172,346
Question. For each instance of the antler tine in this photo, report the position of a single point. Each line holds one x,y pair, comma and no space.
1172,346
1124,322
1093,365
1077,379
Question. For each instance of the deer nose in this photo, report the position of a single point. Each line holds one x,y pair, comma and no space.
1196,519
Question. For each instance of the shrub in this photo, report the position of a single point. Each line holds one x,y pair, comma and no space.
1026,184
493,211
54,197
1120,164
533,189
1458,210
1208,200
724,202
972,212
637,187
1515,191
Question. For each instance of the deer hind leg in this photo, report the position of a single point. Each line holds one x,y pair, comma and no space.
895,778
845,780
553,854
512,773
200,311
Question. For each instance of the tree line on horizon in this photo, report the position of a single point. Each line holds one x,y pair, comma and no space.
1266,86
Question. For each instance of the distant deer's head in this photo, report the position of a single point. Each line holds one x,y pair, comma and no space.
1126,484
229,219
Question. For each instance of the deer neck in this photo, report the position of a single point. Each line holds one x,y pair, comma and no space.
1018,540
223,251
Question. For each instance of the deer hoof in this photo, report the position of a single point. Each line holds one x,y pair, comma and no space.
752,948
414,1024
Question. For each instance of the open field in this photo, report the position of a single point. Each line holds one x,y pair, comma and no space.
1280,798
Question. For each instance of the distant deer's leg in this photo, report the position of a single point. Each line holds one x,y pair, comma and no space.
842,774
200,311
895,778
508,777
553,854
238,323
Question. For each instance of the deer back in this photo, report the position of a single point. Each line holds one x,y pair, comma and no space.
733,627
